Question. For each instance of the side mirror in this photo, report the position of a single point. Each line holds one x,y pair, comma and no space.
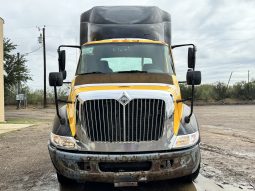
64,74
56,79
62,60
191,57
193,77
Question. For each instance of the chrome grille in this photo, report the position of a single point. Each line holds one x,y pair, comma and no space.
107,120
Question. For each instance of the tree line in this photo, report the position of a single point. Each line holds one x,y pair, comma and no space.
16,71
220,92
17,74
205,94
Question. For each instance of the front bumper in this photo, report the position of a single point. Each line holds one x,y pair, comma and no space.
87,166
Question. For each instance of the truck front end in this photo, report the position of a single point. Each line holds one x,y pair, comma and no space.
124,122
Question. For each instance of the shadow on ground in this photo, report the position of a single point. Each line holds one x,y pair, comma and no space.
157,186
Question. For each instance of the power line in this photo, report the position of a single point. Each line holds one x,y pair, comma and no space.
33,51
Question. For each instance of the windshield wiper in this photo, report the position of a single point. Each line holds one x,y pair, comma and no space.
92,73
133,71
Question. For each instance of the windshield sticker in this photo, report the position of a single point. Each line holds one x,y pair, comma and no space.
89,51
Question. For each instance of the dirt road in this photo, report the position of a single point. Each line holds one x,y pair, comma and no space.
228,153
228,144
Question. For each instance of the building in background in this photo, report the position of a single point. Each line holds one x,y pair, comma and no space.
2,118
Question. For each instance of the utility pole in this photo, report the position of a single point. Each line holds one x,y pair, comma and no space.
41,39
248,83
44,70
2,115
18,63
229,79
248,76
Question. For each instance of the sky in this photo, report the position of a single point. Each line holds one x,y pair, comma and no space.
222,30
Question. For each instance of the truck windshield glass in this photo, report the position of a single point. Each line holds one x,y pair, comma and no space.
125,58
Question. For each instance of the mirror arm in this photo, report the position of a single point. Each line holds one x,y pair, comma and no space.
180,45
187,118
68,46
62,120
183,100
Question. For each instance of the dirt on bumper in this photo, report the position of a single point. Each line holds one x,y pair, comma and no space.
164,165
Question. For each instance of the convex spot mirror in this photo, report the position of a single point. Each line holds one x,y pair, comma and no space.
62,62
191,57
56,79
193,77
64,74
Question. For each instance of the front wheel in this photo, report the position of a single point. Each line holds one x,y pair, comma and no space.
193,176
64,180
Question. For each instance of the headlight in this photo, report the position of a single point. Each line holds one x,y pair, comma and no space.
188,140
63,141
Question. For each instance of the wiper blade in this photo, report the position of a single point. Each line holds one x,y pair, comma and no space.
92,73
133,71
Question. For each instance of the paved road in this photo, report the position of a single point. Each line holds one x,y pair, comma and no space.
25,163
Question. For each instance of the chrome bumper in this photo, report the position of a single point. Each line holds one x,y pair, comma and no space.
164,165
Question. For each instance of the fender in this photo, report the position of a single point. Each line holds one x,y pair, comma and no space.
59,129
188,128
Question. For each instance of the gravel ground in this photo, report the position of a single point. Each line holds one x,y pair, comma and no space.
228,153
228,144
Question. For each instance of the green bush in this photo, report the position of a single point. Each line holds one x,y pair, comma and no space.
243,91
204,92
35,97
220,91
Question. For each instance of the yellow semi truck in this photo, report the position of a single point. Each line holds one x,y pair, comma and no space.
124,121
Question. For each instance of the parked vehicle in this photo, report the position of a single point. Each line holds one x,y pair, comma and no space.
125,121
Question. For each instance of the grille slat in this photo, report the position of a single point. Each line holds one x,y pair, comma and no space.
103,122
140,127
156,118
132,129
89,121
148,119
86,124
95,119
99,117
108,120
136,122
144,120
158,132
119,128
112,120
152,119
115,121
128,125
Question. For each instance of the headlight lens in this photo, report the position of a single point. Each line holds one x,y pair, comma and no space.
183,141
63,141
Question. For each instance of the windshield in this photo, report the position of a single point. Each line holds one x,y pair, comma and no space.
125,58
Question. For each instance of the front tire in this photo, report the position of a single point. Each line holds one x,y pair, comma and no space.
193,176
64,180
